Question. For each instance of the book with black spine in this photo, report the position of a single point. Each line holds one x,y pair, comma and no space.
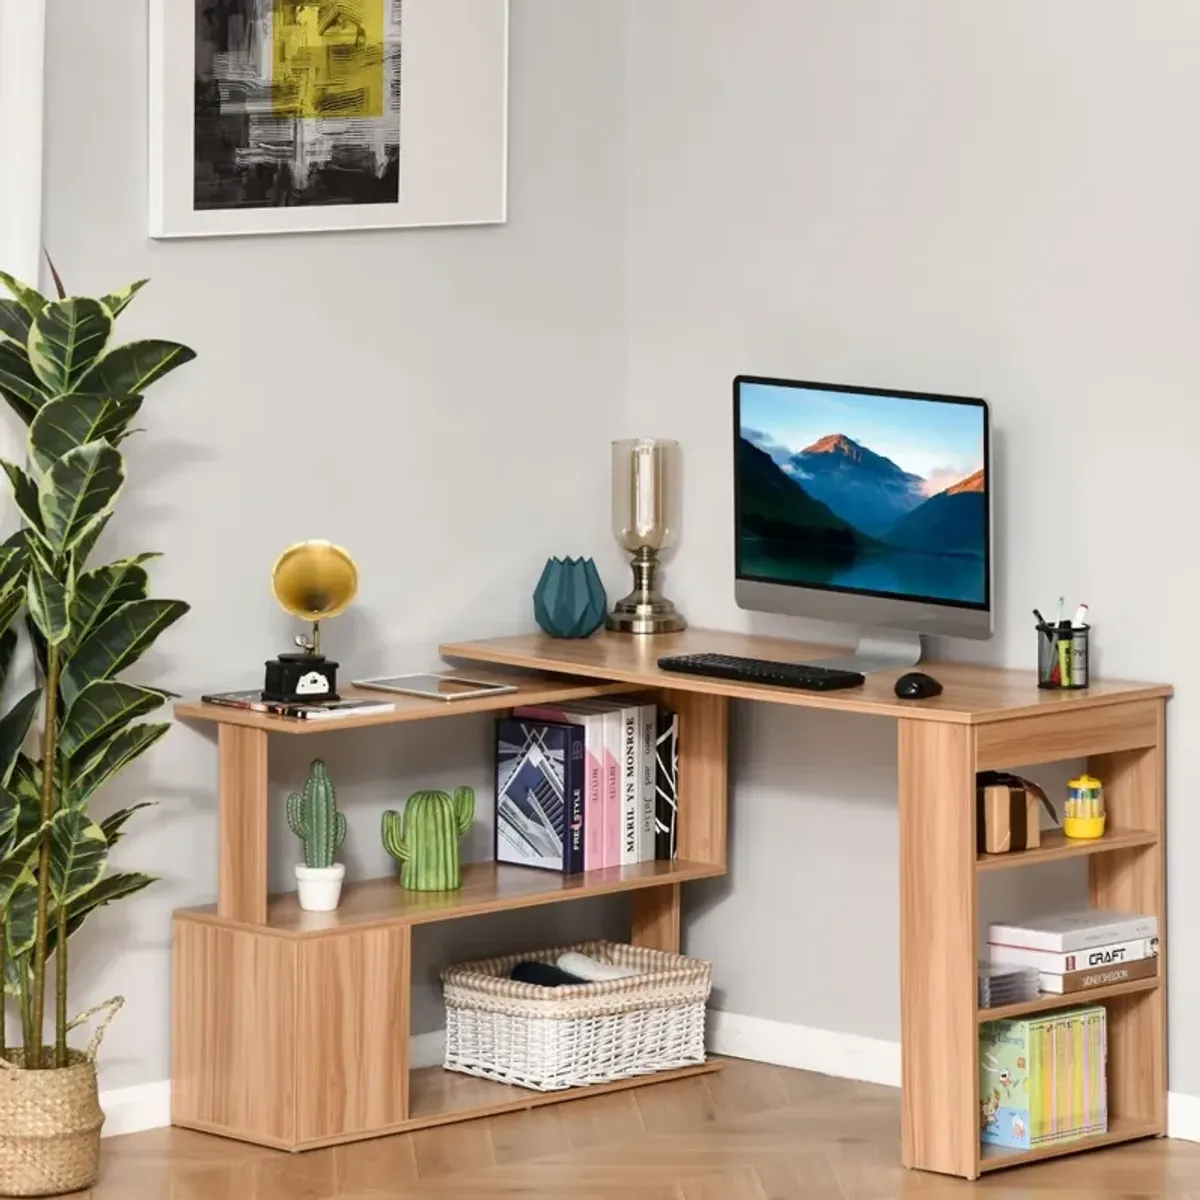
540,783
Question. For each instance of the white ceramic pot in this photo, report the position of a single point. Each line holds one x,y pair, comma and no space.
319,888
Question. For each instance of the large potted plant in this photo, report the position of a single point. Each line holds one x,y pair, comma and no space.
66,737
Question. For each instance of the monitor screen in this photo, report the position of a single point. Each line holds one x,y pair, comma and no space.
878,493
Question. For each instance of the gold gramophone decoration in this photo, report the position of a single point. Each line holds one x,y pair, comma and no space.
313,581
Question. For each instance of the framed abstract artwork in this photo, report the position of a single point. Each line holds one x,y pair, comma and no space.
298,116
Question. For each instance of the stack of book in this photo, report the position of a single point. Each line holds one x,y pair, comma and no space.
586,785
1043,1080
1075,951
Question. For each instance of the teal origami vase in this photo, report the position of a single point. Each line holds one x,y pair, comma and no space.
569,600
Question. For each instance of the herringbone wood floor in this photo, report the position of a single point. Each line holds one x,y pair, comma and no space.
751,1132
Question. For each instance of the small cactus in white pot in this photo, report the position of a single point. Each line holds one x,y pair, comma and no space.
314,818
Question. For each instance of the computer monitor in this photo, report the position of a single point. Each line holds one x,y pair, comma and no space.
864,505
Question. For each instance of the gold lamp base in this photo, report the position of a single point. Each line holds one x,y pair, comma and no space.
645,609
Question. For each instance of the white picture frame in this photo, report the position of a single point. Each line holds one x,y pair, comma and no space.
450,58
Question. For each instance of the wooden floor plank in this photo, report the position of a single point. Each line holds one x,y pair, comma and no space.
752,1132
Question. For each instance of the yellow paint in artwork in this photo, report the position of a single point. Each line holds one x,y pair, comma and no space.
327,58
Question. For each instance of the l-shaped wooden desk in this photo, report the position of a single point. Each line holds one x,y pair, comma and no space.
985,719
254,976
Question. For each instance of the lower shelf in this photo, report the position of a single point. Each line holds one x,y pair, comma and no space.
1120,1129
437,1097
1049,1003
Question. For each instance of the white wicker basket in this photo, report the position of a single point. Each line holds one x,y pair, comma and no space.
553,1038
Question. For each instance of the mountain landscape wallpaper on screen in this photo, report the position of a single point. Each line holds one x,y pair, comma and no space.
837,513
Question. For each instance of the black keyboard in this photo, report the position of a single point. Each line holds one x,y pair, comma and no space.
760,670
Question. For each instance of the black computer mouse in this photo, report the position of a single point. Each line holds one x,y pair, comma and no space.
916,685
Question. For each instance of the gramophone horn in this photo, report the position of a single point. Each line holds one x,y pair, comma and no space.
314,580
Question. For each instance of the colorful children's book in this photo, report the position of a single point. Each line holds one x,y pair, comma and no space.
1043,1080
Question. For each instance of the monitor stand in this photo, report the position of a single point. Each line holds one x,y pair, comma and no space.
879,650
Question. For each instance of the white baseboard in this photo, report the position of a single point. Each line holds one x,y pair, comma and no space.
1183,1116
134,1109
845,1055
148,1105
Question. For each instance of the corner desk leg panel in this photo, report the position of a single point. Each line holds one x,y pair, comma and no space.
939,1111
242,883
703,784
1135,881
352,1030
233,1027
656,917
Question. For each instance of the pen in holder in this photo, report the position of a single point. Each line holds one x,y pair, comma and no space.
1063,656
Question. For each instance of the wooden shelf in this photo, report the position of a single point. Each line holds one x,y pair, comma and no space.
544,689
438,1097
487,887
1120,1129
1056,845
1048,1003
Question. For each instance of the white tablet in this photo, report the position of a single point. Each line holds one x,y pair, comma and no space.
436,686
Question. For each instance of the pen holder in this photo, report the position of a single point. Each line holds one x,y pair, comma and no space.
1063,657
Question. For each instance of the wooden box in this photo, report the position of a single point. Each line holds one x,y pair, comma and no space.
1008,817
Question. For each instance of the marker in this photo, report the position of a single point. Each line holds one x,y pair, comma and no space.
1081,616
1040,620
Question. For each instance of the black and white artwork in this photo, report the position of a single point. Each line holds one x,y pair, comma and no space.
274,116
297,103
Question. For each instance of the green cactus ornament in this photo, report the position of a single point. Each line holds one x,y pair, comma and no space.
314,817
425,840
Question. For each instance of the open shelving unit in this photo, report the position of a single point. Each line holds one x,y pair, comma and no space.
291,1028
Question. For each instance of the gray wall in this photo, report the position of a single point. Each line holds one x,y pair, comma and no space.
994,199
438,401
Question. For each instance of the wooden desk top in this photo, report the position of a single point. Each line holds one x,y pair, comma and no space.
540,689
973,695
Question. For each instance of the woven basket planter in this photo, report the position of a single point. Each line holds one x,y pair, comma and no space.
554,1038
49,1127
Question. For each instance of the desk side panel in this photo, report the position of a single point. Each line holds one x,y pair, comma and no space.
233,1049
939,1124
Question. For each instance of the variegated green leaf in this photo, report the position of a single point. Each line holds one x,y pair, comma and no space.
130,369
30,299
49,599
117,301
112,887
14,321
67,338
14,728
118,642
8,643
25,493
87,543
112,826
10,605
21,387
78,491
17,846
14,557
107,758
78,855
20,916
100,592
71,421
99,710
10,809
